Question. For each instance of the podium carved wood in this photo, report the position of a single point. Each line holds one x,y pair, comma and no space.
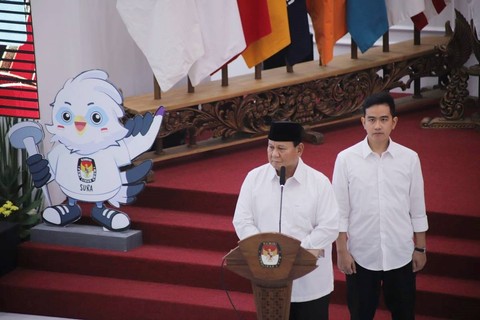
271,261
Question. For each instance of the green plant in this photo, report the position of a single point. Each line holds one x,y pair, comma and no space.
16,186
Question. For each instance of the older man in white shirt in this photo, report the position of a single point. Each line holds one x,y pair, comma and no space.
309,214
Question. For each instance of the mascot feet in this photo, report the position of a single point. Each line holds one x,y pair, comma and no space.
62,215
110,219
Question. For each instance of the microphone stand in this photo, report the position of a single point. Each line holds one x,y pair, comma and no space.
280,219
282,183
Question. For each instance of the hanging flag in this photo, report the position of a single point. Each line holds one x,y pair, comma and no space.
168,32
300,48
399,11
366,21
329,24
255,21
222,36
278,39
432,9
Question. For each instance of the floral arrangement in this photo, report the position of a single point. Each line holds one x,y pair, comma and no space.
20,201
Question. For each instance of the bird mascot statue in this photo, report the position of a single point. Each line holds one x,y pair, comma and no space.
92,158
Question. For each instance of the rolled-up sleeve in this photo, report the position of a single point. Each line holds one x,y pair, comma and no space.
418,212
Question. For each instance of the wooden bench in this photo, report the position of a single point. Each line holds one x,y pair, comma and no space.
312,95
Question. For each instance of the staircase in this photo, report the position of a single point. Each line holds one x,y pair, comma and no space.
185,215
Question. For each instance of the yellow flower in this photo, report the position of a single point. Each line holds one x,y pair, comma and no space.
7,208
5,212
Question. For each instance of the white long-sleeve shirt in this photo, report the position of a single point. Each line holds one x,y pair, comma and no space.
309,214
381,203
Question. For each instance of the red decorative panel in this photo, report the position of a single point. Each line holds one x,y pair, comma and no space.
18,83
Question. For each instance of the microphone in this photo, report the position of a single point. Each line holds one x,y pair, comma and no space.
282,175
282,183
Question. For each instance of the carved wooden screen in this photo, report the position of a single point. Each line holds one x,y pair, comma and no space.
18,84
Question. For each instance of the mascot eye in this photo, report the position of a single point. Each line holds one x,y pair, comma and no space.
66,116
96,117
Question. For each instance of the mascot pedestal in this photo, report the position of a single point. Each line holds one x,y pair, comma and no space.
91,160
87,237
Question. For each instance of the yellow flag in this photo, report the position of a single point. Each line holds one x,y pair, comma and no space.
278,39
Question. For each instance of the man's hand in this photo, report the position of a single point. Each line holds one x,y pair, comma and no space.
345,262
419,260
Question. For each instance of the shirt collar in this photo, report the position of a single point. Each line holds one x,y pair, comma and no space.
299,175
366,150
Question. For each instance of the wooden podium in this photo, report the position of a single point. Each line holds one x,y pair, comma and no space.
271,261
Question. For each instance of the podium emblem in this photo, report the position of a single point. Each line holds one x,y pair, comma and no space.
269,254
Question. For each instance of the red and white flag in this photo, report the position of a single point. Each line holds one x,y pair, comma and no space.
399,11
222,36
432,9
169,34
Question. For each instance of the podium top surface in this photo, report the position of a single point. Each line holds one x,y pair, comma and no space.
270,257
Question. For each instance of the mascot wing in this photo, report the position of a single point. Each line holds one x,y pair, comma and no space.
133,182
142,131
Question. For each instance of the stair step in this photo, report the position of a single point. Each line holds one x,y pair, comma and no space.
456,298
75,296
339,311
454,225
446,297
162,264
453,246
184,229
196,200
449,286
462,256
216,232
34,292
429,283
154,263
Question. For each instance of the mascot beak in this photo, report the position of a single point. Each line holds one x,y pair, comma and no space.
80,124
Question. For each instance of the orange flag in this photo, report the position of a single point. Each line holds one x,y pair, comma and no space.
329,25
278,39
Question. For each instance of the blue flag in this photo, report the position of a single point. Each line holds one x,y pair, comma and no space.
366,21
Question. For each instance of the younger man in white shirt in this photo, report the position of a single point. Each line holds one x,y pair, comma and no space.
379,188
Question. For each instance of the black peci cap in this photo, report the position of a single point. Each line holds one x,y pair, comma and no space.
285,131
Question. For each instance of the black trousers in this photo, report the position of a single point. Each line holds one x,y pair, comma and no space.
310,310
398,285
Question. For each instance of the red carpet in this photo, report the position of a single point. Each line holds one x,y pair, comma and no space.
444,154
185,216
